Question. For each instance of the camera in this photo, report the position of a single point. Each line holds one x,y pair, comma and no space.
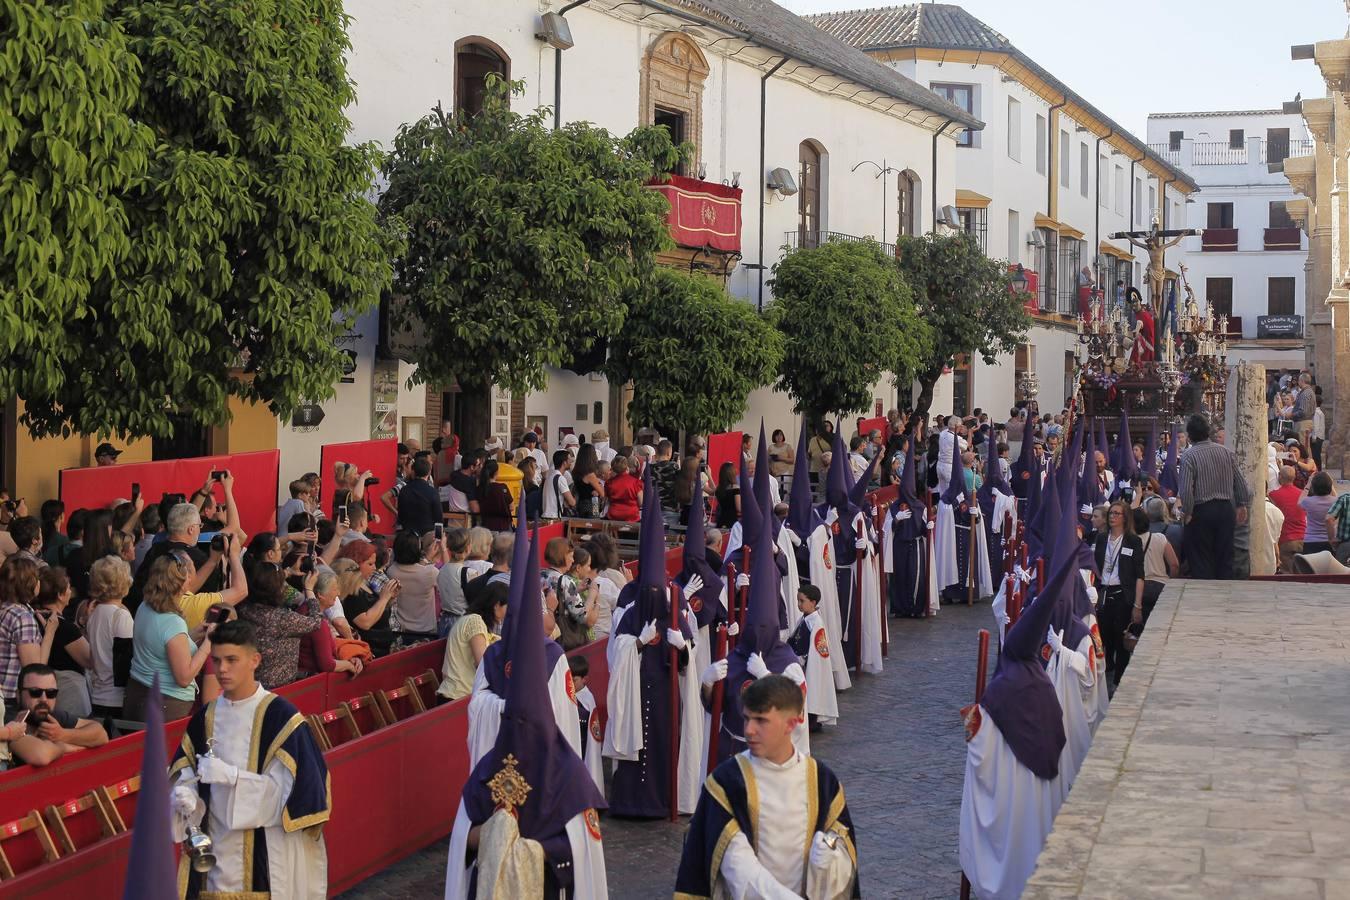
370,482
218,614
219,542
217,474
12,505
307,564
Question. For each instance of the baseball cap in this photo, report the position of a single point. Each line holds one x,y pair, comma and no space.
529,437
106,449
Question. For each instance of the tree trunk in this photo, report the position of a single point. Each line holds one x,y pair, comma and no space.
927,381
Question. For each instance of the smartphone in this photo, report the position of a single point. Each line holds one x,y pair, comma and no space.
307,564
12,505
440,530
135,491
218,615
342,513
217,474
20,717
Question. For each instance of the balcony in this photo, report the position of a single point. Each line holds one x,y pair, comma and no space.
807,240
1234,331
704,215
1283,239
1279,151
1219,240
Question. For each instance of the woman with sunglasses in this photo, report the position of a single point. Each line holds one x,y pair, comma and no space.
162,644
1120,559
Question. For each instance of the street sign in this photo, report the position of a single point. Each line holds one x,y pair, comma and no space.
1279,326
307,415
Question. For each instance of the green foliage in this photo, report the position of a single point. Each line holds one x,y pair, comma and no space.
211,217
693,353
522,242
847,318
966,298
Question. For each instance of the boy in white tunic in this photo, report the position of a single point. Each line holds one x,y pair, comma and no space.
250,775
771,822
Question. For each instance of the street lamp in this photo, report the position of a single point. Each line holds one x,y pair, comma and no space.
882,171
1019,279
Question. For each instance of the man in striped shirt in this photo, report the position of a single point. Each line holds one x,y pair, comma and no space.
1214,500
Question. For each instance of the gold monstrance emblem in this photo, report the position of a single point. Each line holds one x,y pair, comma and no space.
509,789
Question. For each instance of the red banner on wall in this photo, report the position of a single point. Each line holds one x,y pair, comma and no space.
255,484
380,458
702,213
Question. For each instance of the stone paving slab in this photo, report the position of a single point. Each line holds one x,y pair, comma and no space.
899,751
1223,769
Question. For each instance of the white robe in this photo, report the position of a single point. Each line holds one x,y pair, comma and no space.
588,861
594,748
820,547
1006,813
1071,675
873,621
945,565
485,711
623,733
821,698
297,861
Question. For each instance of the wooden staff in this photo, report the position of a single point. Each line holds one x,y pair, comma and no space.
970,555
1040,574
719,691
675,598
928,540
855,626
981,670
745,591
731,601
880,513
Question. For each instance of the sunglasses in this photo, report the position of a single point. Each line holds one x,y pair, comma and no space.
39,693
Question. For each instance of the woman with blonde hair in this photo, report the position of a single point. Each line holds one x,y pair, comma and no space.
109,633
162,645
349,485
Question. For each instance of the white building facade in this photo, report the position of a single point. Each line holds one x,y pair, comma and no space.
1043,185
1250,264
724,75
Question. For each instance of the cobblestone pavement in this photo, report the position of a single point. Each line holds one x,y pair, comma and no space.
898,751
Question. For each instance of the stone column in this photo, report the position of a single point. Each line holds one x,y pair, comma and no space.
1249,443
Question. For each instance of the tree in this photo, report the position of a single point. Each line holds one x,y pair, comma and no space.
847,317
967,299
522,241
693,353
253,244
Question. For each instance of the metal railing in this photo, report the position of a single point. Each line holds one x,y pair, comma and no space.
1218,153
806,240
1172,155
1279,151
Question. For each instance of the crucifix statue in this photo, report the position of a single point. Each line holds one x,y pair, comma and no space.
1156,242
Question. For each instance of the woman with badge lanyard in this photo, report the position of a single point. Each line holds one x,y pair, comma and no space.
1120,558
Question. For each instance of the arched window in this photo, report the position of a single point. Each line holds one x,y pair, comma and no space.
673,73
475,59
908,202
809,195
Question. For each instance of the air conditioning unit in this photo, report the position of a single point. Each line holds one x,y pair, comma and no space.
781,180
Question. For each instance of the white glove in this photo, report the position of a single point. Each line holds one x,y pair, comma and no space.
184,800
733,629
931,525
714,673
903,514
755,666
674,638
742,580
1003,619
862,543
821,851
648,633
832,516
795,673
212,770
1054,640
693,585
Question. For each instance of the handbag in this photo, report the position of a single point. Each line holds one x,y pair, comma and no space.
574,634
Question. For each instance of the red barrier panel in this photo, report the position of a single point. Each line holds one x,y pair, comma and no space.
395,791
379,457
546,534
880,423
386,673
255,484
722,448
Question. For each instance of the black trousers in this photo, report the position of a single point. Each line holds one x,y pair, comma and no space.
1113,617
1209,539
